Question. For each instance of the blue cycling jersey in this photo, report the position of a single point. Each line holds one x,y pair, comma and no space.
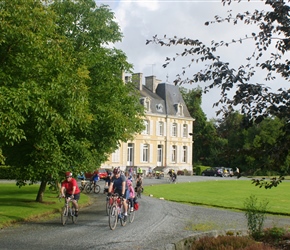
117,182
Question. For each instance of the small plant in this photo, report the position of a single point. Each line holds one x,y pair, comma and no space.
274,234
228,243
255,214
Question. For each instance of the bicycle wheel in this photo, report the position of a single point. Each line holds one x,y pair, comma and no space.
113,217
88,188
139,190
108,206
64,215
73,217
97,189
123,220
131,214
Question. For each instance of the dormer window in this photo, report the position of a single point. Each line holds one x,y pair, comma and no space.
179,109
145,101
159,107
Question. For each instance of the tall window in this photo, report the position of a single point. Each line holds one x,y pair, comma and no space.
159,155
116,156
174,129
147,127
145,156
160,128
184,130
173,153
184,154
130,154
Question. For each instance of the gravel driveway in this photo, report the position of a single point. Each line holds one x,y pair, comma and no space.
158,224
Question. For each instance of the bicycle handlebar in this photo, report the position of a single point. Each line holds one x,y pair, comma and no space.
68,199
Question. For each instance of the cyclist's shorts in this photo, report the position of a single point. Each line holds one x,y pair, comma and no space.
119,192
76,196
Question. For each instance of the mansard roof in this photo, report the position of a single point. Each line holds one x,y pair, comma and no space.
165,100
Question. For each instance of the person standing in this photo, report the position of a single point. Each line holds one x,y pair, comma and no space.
70,188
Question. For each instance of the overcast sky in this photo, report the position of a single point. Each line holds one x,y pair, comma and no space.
140,20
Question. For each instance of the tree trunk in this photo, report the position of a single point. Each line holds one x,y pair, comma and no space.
41,190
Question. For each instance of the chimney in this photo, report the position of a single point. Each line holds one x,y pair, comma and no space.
151,83
137,80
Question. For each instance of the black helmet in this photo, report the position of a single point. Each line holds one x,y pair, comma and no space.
116,170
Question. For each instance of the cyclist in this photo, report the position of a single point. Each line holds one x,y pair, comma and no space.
139,185
139,171
118,185
70,188
95,178
107,182
130,194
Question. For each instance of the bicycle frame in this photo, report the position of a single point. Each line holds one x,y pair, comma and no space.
116,212
68,210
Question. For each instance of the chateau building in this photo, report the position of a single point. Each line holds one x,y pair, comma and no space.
165,142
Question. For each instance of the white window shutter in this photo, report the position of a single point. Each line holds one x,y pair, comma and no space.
141,152
164,128
151,153
157,128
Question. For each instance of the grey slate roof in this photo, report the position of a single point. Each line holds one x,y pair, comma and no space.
166,95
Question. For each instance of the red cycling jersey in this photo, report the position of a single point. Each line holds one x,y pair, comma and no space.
69,186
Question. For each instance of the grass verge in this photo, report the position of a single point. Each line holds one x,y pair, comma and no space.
18,204
223,194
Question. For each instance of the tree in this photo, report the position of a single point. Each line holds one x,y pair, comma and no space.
206,142
256,100
259,139
231,129
63,102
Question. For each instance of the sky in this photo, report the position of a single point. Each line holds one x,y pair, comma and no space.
140,20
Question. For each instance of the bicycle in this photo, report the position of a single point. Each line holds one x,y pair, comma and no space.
67,211
92,186
109,203
171,179
116,212
139,190
83,185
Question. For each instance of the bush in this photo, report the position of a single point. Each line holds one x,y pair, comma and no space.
197,170
6,172
229,243
180,172
256,214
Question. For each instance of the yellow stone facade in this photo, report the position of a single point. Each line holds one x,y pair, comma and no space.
166,142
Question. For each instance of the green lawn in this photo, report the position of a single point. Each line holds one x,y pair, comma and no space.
18,204
224,194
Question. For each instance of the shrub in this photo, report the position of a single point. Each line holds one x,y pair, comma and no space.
228,243
6,172
255,214
274,234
